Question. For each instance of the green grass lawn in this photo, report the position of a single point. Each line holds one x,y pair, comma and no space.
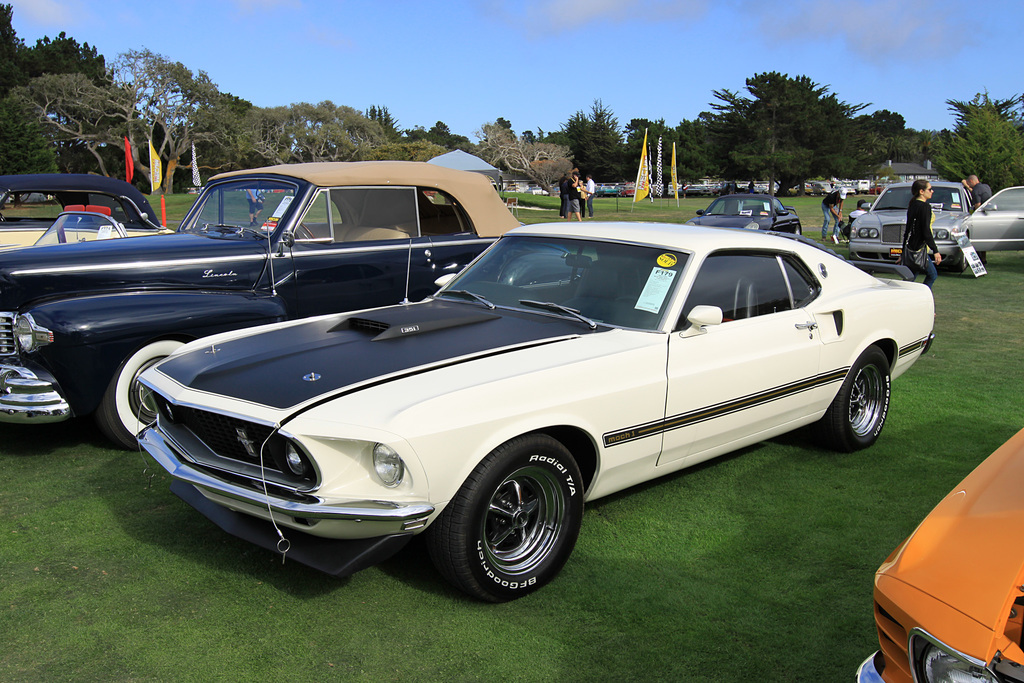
754,567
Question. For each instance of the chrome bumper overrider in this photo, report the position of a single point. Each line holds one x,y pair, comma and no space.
868,672
25,398
385,517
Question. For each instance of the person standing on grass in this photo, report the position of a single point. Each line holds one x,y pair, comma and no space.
979,193
919,227
563,195
832,207
574,197
591,189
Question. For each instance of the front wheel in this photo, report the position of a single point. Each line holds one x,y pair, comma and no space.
127,406
513,523
858,412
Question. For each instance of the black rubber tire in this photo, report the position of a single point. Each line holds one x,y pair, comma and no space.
514,522
123,404
858,412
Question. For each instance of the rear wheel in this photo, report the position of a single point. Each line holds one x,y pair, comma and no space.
858,412
127,406
513,523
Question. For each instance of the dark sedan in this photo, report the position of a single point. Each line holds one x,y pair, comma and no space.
751,211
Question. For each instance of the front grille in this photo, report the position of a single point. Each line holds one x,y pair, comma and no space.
7,346
893,233
234,445
225,436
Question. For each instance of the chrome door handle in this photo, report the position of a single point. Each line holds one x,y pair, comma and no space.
810,327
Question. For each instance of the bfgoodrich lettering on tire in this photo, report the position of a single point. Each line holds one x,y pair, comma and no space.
858,412
513,523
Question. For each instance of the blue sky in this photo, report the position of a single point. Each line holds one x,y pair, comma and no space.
537,62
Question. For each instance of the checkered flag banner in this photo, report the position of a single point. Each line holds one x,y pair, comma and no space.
196,181
659,185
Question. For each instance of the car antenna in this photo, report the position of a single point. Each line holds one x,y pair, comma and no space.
408,271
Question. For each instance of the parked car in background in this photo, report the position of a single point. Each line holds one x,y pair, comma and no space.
948,601
751,211
878,235
607,190
699,189
569,362
79,322
29,204
998,224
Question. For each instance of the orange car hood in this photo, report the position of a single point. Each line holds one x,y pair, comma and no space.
969,551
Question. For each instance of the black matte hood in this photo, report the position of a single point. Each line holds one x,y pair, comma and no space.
286,367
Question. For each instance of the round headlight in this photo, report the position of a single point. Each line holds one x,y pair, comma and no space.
23,332
942,667
388,465
296,463
942,234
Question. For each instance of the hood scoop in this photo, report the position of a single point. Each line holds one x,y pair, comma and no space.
405,321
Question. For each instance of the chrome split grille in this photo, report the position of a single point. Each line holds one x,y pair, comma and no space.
7,346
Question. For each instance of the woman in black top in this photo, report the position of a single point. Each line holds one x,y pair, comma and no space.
919,227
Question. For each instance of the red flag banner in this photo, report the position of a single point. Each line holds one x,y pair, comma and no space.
129,165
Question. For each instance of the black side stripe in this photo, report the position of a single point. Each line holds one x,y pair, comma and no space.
720,409
913,346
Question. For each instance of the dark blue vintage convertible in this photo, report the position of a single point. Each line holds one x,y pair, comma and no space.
80,322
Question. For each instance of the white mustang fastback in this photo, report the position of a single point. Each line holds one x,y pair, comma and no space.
564,364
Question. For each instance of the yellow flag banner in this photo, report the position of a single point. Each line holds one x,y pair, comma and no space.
642,186
675,179
156,173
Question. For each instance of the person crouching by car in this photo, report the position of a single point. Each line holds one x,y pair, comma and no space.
862,208
919,228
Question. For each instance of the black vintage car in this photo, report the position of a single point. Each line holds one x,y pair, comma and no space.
80,322
752,211
30,203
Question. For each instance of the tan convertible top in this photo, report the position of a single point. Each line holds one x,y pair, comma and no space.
473,191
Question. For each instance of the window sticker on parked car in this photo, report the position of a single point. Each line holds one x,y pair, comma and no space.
285,203
667,260
659,282
746,212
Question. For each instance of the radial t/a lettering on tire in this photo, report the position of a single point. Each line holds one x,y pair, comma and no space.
858,412
513,523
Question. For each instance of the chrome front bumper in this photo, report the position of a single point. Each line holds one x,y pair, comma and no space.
26,398
319,517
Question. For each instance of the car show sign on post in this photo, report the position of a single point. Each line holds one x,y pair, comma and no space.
971,254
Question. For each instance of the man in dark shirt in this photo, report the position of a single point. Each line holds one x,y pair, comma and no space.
980,192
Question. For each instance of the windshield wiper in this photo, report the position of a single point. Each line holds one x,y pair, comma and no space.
467,295
224,229
559,308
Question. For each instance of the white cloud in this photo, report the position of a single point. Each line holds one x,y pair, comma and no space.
60,13
879,31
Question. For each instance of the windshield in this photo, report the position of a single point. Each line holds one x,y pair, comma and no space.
256,204
77,227
624,285
740,206
944,199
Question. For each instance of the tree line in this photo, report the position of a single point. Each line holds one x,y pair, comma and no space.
64,108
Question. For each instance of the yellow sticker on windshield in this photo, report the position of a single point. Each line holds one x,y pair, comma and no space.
667,260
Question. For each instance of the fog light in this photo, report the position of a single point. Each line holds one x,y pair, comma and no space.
294,459
388,465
